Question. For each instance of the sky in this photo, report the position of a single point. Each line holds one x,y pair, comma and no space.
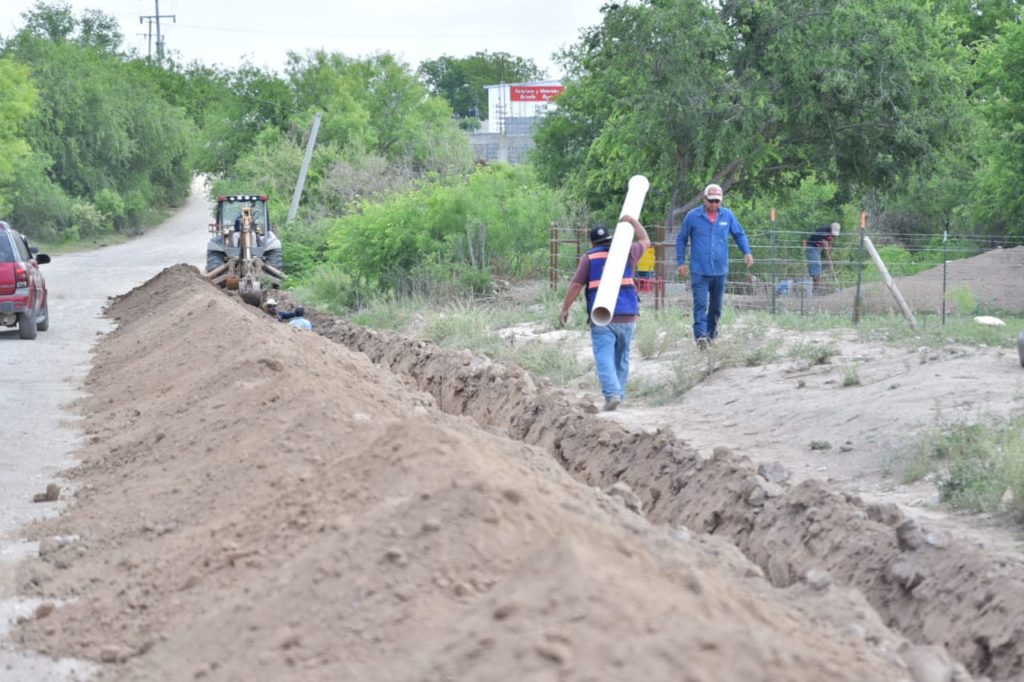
262,32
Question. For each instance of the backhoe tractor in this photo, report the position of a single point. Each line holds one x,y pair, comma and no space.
244,254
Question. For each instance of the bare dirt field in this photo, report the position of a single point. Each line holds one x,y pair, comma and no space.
256,502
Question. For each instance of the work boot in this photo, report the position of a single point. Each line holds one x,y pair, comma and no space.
703,343
611,402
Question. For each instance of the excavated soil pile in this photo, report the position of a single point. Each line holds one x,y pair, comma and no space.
934,589
256,502
994,278
989,283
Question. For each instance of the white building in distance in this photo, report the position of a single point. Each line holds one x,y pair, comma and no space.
508,102
512,111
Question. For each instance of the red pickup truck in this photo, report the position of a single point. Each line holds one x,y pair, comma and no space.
23,299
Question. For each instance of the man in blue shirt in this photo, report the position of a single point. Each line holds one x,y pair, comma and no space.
706,229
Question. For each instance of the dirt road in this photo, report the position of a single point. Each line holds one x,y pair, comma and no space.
43,376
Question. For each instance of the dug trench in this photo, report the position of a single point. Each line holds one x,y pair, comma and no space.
257,502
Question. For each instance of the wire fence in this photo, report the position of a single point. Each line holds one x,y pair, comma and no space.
935,274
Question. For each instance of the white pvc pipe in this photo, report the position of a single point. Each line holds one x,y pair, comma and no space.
618,253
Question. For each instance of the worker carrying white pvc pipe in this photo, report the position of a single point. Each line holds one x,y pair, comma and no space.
602,310
611,340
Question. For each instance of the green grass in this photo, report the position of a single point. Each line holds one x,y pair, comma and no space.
977,465
330,288
814,352
392,315
87,244
462,325
931,333
963,299
151,218
686,369
557,362
765,352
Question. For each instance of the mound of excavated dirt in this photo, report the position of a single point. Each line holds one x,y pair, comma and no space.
261,503
991,282
994,279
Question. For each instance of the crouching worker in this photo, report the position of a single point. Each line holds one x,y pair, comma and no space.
298,319
610,343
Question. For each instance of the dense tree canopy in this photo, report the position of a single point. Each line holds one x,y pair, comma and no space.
376,105
19,97
751,95
233,109
101,145
999,192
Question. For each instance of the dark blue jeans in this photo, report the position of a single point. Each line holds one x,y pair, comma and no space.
708,293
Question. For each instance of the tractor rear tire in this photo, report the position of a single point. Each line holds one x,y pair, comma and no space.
275,259
214,259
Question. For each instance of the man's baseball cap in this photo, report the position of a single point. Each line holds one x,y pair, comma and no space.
599,234
712,191
271,301
835,229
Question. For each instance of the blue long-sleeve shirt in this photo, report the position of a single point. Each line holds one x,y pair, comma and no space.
709,244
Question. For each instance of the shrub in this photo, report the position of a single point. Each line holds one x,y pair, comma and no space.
495,222
86,220
334,289
111,205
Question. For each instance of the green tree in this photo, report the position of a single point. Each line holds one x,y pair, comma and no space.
237,106
980,19
751,95
52,21
19,97
100,124
462,80
998,199
376,105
